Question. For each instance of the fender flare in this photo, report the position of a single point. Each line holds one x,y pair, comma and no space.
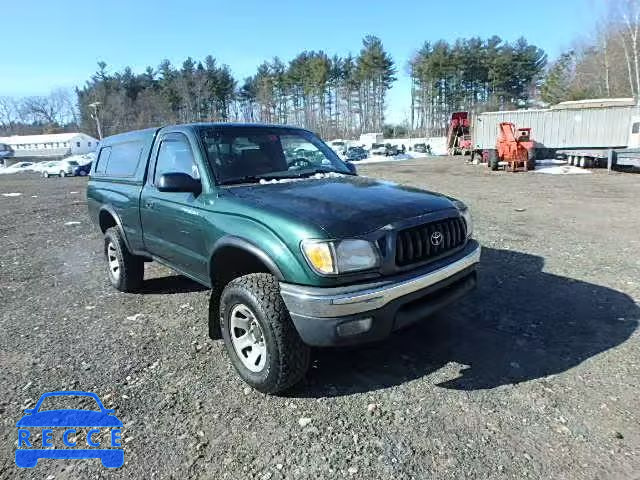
241,243
111,211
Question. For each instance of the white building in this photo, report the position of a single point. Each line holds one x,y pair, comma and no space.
57,145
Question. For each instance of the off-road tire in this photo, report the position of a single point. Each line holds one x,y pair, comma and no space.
131,266
287,356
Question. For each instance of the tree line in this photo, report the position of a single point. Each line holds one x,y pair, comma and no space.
333,95
471,75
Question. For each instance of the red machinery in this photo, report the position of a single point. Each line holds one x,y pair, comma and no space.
515,147
458,137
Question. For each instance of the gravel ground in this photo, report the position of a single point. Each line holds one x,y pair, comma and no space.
534,375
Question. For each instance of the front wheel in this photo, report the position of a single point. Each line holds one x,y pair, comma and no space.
45,174
260,339
62,174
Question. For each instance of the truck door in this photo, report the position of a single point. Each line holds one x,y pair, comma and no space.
634,133
172,222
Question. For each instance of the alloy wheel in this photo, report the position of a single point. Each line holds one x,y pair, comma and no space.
247,338
114,263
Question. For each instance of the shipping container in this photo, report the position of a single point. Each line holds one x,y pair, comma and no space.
599,127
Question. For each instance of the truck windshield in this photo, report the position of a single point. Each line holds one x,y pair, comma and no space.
250,154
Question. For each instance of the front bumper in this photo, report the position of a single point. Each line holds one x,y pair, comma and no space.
390,304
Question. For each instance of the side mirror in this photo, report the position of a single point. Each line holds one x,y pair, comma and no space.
351,167
179,182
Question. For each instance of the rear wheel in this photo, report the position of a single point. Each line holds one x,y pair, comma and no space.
260,339
493,160
125,270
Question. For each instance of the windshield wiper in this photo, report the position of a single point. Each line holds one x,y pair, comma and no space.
245,179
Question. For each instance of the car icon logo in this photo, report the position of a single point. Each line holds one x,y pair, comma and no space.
436,238
64,427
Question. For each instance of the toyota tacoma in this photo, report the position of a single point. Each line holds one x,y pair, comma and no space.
297,249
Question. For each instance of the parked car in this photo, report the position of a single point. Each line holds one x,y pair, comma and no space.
82,170
297,251
392,150
356,153
19,167
40,167
422,148
62,168
378,149
339,147
5,152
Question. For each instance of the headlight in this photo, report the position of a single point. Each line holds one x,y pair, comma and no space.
466,215
342,256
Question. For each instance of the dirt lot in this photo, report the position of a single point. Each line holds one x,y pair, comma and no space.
535,375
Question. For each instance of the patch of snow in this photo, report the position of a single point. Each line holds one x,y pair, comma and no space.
12,194
317,176
562,170
551,161
72,223
369,160
135,317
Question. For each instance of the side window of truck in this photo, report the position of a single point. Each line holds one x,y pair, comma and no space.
123,159
175,156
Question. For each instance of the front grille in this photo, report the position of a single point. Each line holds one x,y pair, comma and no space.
420,244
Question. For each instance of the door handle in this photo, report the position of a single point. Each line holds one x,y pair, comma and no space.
149,204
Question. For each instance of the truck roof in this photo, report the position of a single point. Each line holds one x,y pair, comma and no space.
129,136
150,132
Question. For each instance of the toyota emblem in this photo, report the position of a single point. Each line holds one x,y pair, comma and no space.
436,238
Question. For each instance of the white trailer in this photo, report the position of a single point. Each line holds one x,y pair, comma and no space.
583,132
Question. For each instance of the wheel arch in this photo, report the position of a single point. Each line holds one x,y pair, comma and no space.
244,256
108,218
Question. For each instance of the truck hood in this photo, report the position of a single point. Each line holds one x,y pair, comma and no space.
342,206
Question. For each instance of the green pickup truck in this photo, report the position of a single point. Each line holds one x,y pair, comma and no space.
298,250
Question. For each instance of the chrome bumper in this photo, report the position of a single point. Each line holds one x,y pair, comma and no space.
344,301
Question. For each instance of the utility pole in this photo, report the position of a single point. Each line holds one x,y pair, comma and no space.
95,116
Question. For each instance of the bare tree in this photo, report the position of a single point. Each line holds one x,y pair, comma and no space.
9,112
629,36
55,109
